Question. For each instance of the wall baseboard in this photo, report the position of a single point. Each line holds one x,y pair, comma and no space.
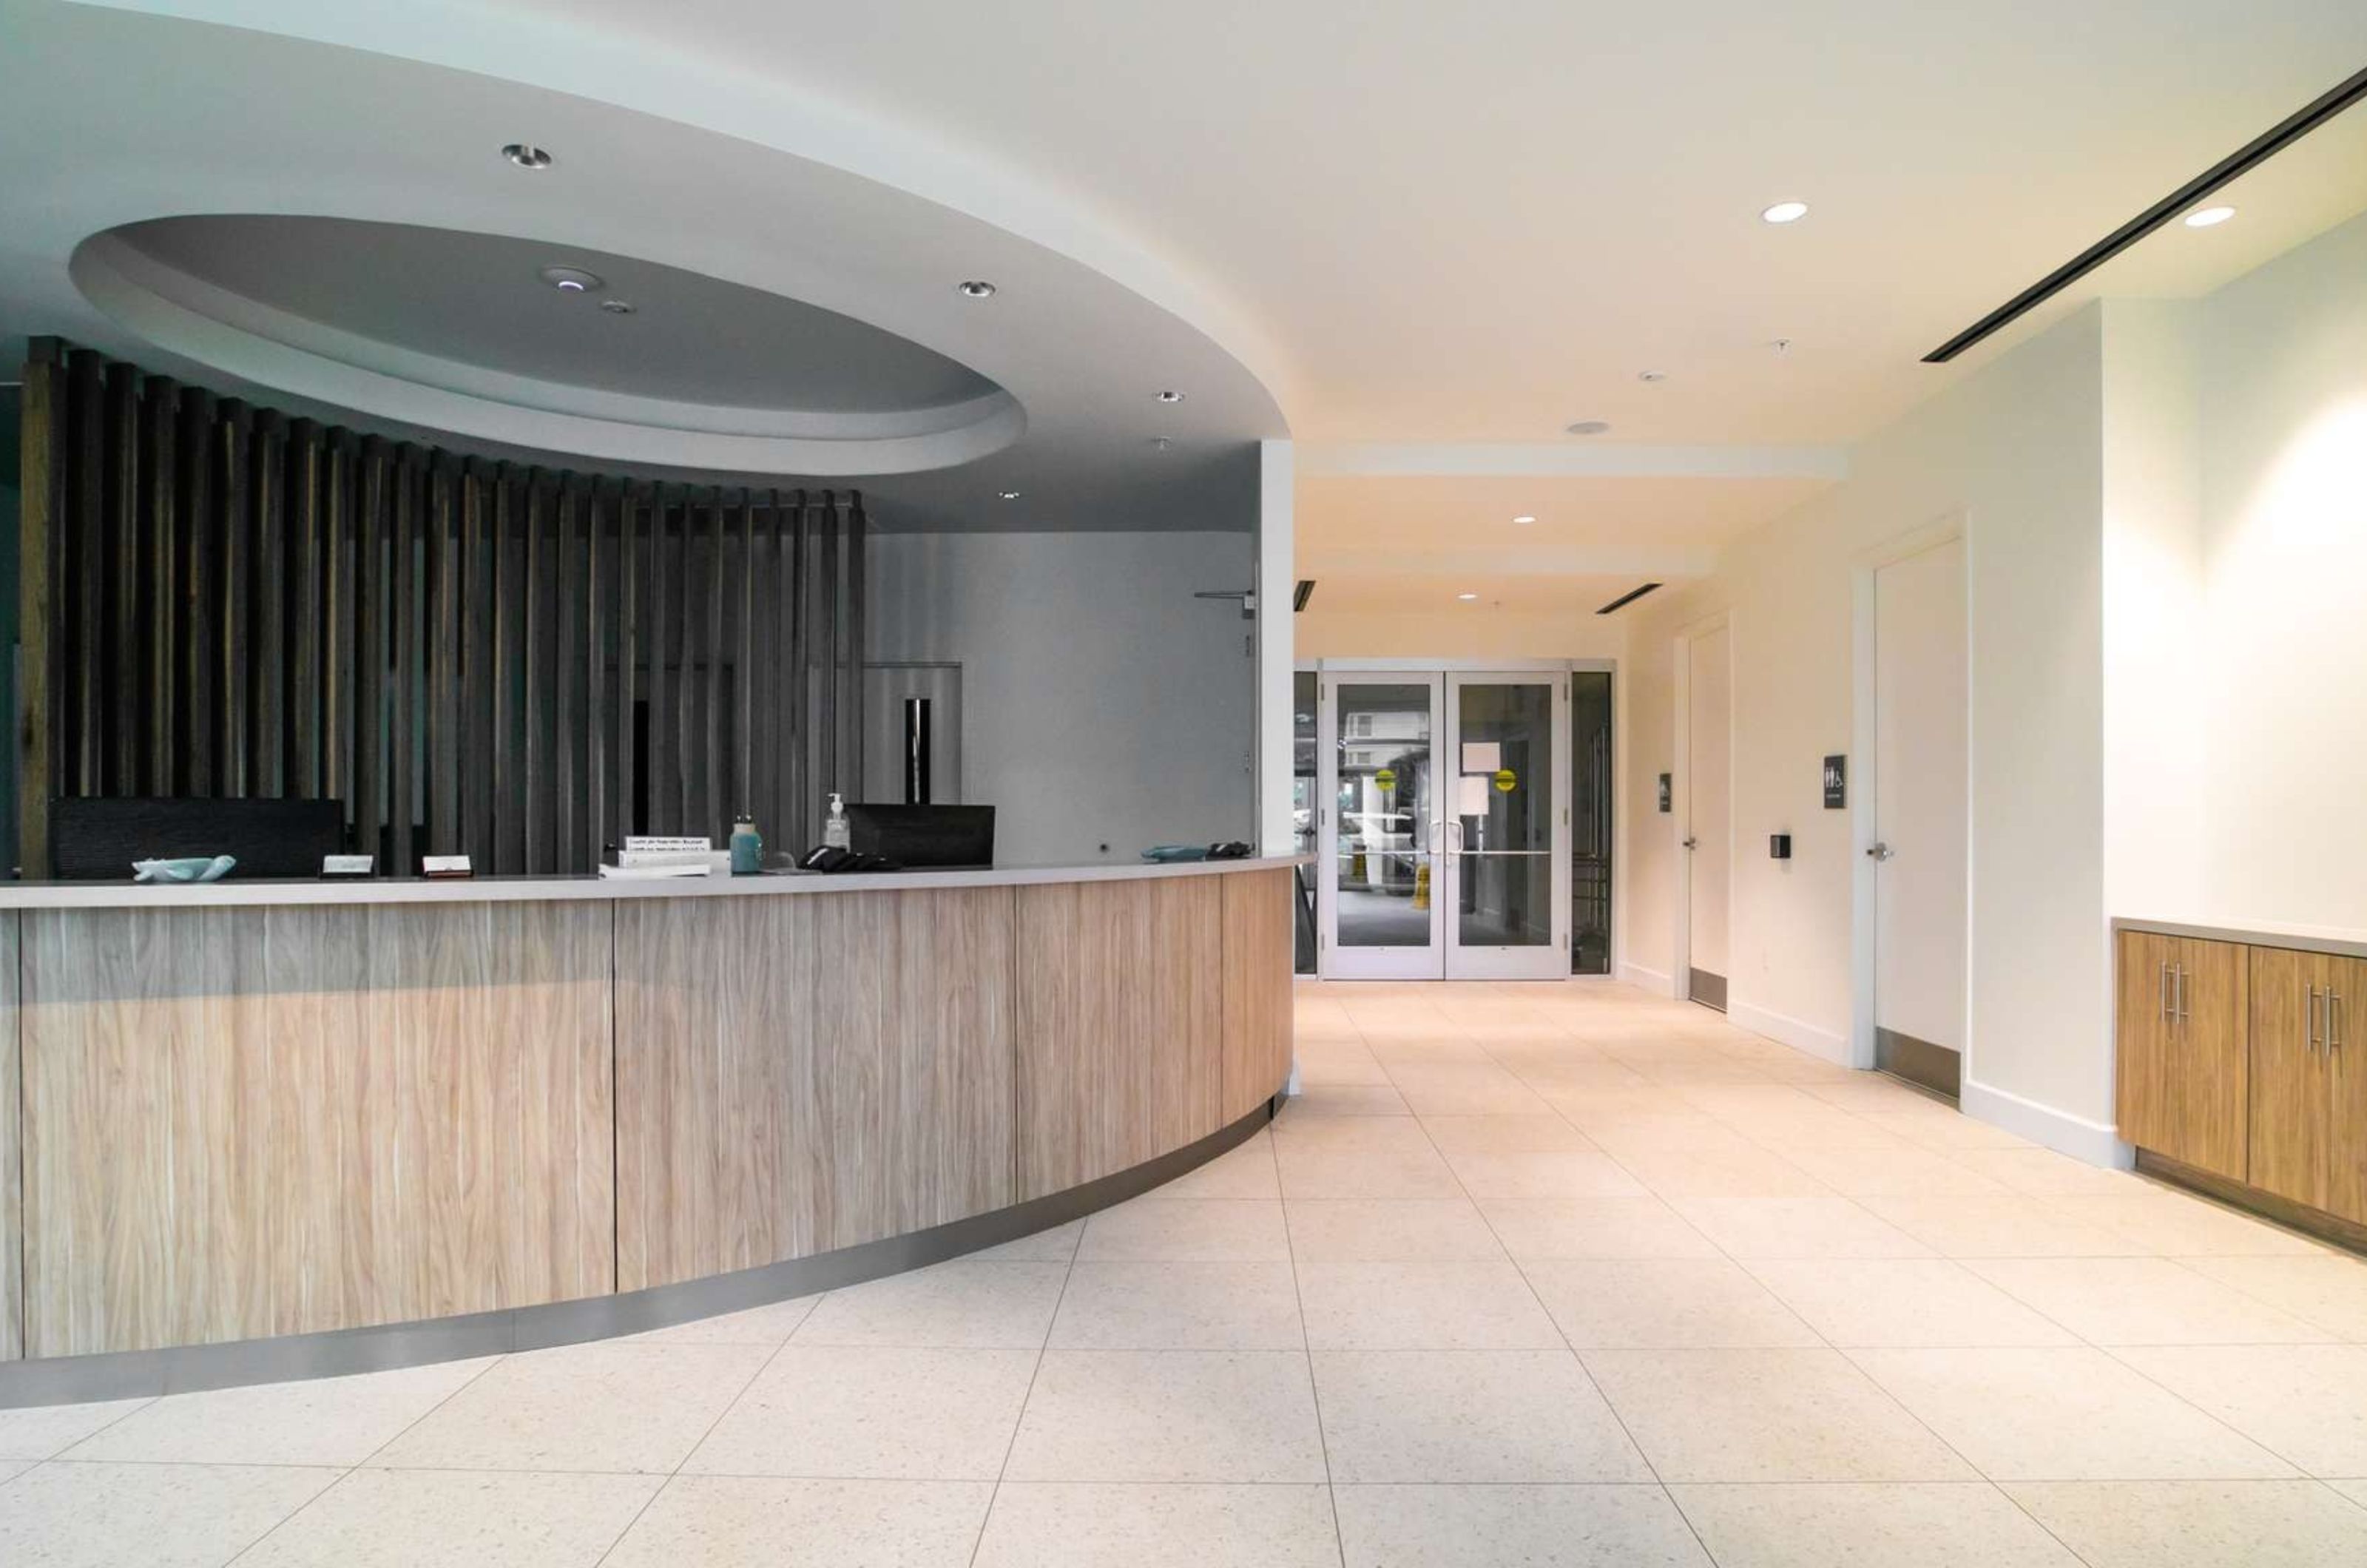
2064,1133
1787,1030
1650,979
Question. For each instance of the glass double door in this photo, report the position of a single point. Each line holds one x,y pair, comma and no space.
1445,803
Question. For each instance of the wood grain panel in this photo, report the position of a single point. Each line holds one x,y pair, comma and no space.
12,1190
1257,988
2346,1093
2213,1063
2288,1075
2145,1072
242,1122
797,1075
1120,1025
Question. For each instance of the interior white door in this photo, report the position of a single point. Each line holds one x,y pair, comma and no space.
1381,901
1919,807
1709,820
1507,857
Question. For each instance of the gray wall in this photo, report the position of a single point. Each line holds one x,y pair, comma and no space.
1102,702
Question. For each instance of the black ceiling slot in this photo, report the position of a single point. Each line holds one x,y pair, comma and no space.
1301,595
1628,598
2245,158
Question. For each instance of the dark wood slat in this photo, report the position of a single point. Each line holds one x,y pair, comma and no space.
857,526
476,673
687,751
370,582
267,694
539,848
305,453
566,779
764,688
629,583
230,688
337,619
85,575
200,601
743,676
598,589
664,801
509,837
716,808
168,558
799,819
403,630
448,589
122,634
826,720
42,532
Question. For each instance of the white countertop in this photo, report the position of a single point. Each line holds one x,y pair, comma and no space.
2257,933
232,892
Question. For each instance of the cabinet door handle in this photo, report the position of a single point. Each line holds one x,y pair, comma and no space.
2333,1016
2180,993
2309,1019
2166,1013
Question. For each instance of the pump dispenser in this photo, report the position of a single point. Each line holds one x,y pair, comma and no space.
834,832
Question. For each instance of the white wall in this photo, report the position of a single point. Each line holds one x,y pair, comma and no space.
1102,704
1475,633
2283,373
2014,452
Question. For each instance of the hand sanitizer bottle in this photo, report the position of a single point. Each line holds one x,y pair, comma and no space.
747,848
834,832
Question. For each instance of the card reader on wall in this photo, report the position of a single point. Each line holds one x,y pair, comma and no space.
1779,846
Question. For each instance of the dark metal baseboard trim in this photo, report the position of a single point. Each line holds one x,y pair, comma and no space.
2347,1234
1920,1063
1706,988
128,1374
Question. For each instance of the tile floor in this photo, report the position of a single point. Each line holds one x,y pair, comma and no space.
1541,1275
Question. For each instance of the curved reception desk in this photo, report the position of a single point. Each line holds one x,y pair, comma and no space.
272,1130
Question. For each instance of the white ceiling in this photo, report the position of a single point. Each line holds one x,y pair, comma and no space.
1454,227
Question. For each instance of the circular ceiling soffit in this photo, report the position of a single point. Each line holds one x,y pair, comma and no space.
490,336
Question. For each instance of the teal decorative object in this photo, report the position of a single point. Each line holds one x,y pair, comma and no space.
196,868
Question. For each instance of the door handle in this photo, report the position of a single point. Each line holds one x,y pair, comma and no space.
2309,1021
2179,992
1878,851
2333,1021
2166,1014
1692,843
1455,837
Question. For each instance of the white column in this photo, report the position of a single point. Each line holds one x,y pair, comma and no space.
1275,582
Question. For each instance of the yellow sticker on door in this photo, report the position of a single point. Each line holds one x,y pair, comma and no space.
1505,780
1386,779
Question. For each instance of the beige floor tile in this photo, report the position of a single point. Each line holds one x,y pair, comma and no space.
1317,1174
1745,1170
1539,1134
382,1519
2326,1289
1078,1525
1665,1137
36,1431
2307,1403
2143,1301
1464,1088
1343,1230
1542,1176
2063,1415
1499,1527
2043,1173
158,1515
1245,1170
1766,1415
1338,1062
1595,1227
1858,1171
12,1468
608,1407
1055,1244
333,1421
1467,1416
1439,1047
1318,1099
1178,1230
1904,1301
1874,1094
1421,1306
2354,1490
2199,1524
1947,1131
1926,1524
716,1519
1664,1303
2012,1226
1827,1226
1173,1415
964,1305
1350,1134
2175,1225
827,1411
767,1325
1180,1307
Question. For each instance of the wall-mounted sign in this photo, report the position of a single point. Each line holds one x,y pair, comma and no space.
1667,793
1836,783
1505,780
1483,756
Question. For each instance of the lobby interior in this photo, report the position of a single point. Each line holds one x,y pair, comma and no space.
1758,613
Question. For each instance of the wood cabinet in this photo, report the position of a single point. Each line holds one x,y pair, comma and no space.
2184,1076
2346,1096
2291,997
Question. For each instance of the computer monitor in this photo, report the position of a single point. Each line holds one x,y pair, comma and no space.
921,837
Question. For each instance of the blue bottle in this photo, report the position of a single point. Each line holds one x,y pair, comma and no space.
747,848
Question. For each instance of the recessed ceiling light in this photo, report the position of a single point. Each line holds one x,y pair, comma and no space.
1466,596
1008,494
617,307
1590,427
2209,217
570,279
1651,375
527,156
1524,517
1787,213
976,288
1171,396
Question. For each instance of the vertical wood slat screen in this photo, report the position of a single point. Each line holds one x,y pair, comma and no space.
518,663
